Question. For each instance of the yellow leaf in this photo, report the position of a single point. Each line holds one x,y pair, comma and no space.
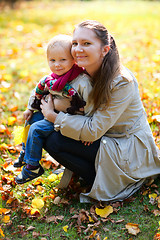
90,219
65,228
153,195
34,210
104,212
25,134
6,219
11,120
53,177
133,228
18,134
105,238
37,203
1,232
3,146
60,175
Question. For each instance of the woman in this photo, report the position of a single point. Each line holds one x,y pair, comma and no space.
123,153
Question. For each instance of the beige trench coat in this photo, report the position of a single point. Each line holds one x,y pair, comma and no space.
127,154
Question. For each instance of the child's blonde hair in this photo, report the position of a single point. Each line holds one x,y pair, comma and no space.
62,40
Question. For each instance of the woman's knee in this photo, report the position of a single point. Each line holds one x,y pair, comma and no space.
54,143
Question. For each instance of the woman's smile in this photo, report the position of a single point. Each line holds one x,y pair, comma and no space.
87,49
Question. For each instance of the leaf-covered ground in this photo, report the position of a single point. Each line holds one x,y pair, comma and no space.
38,209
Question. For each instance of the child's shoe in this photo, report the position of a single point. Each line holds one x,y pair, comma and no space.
20,162
27,174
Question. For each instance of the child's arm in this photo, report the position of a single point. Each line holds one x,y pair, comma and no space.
27,114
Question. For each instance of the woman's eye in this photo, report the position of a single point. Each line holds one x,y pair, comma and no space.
87,43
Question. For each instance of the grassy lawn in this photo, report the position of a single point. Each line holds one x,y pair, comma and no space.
24,32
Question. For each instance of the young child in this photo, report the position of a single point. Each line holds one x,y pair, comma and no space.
64,73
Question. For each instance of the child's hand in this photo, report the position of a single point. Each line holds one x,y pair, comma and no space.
27,114
87,143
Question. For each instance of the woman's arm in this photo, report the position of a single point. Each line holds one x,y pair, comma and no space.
92,128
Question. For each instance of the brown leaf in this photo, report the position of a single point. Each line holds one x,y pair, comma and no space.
146,209
35,234
30,228
133,228
156,212
120,220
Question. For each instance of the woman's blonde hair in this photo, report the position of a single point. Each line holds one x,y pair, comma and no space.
110,68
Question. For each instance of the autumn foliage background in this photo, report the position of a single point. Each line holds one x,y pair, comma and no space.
24,32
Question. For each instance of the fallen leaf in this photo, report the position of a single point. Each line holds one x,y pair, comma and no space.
6,219
35,234
1,232
35,211
157,236
30,228
37,203
52,177
104,212
93,234
153,195
133,228
11,120
4,211
65,228
156,118
156,212
18,134
57,200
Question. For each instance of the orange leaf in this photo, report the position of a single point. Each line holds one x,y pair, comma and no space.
6,219
157,236
4,211
1,232
93,234
133,228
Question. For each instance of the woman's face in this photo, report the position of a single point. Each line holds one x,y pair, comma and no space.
87,49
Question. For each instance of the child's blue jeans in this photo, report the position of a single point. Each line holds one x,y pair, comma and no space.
38,132
72,154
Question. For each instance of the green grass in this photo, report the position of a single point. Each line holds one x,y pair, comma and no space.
131,212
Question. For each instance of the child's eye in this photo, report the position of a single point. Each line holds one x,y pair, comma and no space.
52,60
63,59
74,44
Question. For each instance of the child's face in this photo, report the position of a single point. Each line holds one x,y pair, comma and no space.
60,60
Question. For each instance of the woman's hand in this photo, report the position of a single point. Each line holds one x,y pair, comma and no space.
48,109
27,114
87,143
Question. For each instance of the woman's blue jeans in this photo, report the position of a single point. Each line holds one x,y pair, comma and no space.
72,154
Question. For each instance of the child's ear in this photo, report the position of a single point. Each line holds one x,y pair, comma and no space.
105,50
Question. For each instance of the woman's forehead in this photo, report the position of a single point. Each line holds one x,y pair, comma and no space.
83,33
